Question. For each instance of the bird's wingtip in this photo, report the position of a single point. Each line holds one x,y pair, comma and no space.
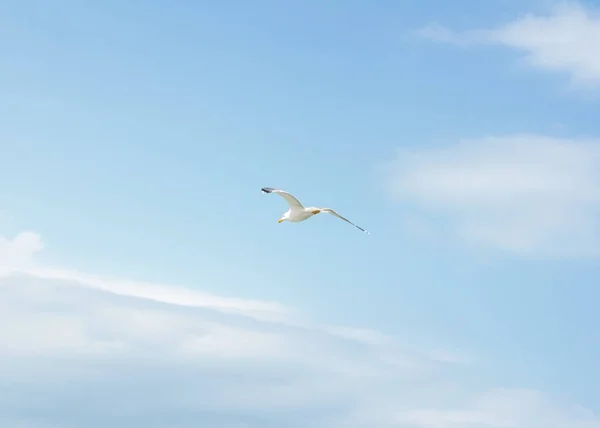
267,189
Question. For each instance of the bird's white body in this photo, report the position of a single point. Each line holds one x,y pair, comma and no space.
299,212
296,215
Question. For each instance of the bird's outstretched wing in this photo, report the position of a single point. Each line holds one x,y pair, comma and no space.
293,202
332,212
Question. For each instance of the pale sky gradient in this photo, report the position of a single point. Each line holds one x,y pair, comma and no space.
144,280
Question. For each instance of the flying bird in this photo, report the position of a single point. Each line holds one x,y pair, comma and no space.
299,212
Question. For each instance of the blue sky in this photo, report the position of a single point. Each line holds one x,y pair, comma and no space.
135,139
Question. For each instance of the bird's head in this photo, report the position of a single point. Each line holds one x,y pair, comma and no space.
285,217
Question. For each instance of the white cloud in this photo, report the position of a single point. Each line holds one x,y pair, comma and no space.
532,195
566,40
18,252
79,350
505,408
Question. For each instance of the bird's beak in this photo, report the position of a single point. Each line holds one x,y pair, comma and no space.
280,220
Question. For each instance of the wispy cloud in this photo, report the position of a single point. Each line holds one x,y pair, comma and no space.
566,40
531,195
79,350
19,252
505,408
444,355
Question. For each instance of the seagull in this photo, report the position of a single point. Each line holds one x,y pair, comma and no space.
299,212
